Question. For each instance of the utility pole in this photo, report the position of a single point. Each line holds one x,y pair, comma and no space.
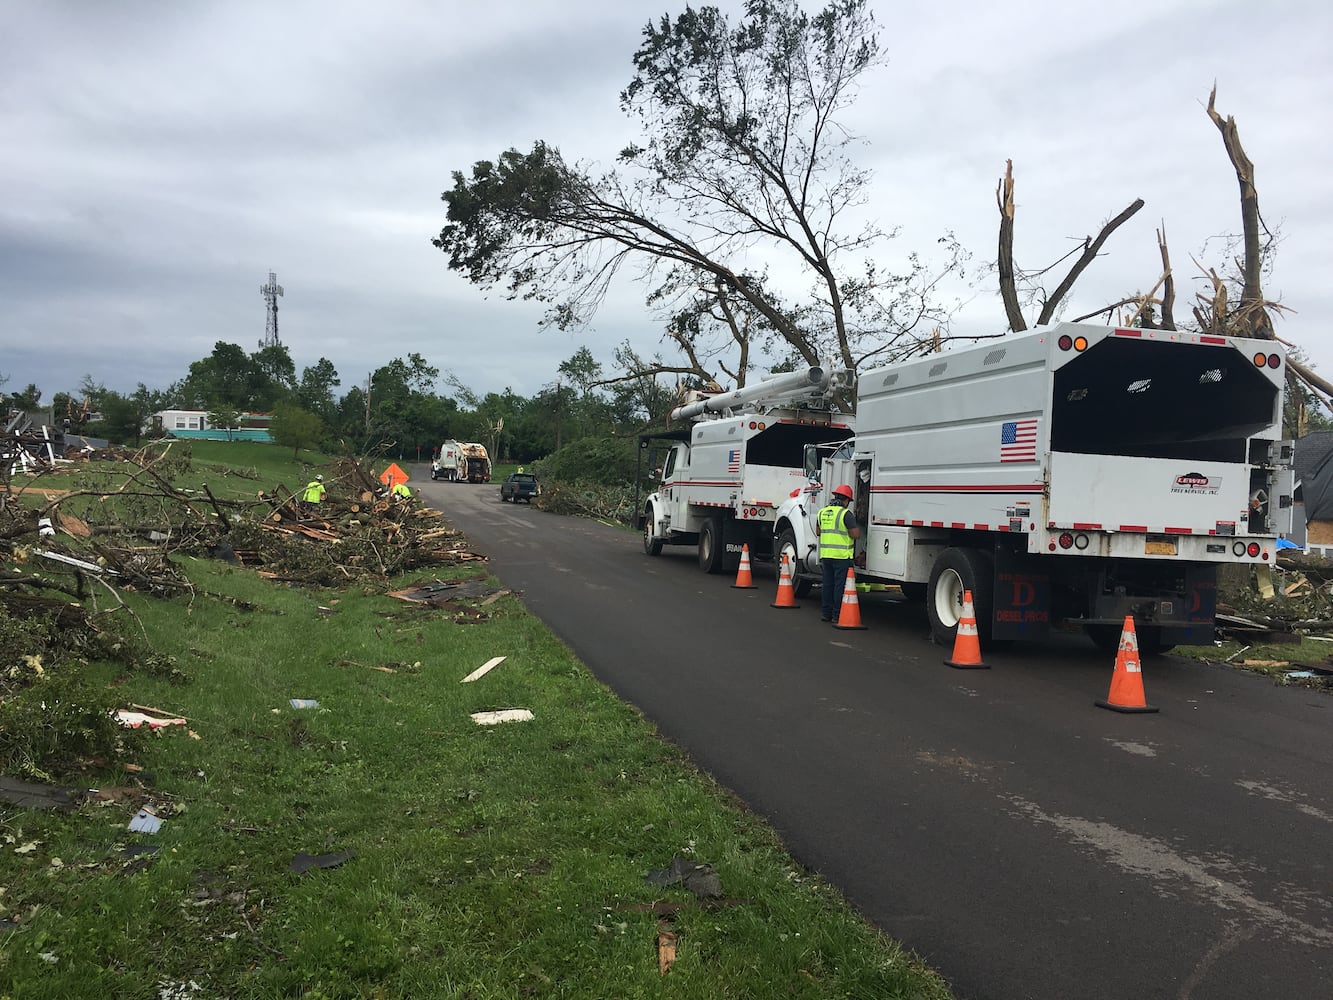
271,291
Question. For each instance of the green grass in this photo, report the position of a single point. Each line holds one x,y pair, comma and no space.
490,862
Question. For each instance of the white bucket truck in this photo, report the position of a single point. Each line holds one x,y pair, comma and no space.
1073,473
737,458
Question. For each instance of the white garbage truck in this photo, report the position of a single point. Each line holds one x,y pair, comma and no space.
448,462
738,455
1071,474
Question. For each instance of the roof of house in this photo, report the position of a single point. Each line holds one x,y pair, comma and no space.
1313,460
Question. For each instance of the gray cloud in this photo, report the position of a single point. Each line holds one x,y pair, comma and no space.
160,159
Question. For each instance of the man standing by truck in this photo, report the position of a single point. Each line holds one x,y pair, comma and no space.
837,530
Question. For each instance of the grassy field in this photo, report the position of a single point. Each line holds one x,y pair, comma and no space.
464,861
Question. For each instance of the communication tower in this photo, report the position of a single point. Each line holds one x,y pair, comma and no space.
271,291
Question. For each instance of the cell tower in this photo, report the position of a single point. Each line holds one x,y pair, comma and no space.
271,291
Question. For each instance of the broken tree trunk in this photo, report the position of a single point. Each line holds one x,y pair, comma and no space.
1004,197
1252,299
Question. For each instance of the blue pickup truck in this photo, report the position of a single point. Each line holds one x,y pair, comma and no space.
520,486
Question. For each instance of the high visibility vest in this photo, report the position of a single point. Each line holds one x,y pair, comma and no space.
834,540
314,492
402,490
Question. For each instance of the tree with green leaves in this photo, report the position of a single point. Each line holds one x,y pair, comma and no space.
224,418
315,391
745,162
295,428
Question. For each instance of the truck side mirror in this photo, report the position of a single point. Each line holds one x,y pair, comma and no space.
811,463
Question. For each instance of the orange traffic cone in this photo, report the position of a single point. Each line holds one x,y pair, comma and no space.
786,592
1126,694
744,581
966,642
849,616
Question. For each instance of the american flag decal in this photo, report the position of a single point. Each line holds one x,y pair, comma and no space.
1018,440
734,460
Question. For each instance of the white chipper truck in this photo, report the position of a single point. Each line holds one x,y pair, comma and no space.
1074,473
737,458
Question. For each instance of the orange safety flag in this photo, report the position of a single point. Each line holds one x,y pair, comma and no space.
393,475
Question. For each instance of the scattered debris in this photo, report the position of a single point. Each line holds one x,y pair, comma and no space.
666,946
145,821
483,670
31,795
133,720
502,715
303,703
702,880
304,862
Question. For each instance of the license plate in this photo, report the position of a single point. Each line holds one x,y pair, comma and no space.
1156,548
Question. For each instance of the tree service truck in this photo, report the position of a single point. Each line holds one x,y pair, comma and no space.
1074,473
736,460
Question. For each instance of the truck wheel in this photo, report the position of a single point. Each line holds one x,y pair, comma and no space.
801,584
652,545
955,571
710,546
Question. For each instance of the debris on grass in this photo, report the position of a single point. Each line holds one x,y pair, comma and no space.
133,720
34,795
666,946
502,715
483,670
145,821
303,703
304,862
702,880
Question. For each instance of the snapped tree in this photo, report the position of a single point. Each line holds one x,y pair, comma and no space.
743,174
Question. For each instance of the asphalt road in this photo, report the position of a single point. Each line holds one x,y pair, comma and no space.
1022,841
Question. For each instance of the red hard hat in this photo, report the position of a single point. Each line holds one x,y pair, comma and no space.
843,491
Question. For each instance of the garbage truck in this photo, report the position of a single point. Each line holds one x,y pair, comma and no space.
1071,475
476,463
448,462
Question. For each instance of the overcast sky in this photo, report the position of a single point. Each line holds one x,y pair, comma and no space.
157,160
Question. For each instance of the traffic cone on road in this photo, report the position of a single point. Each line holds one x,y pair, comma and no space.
849,616
786,591
744,580
1126,694
966,642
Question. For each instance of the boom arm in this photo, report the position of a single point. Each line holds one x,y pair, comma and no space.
812,381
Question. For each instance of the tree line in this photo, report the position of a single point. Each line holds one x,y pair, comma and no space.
398,410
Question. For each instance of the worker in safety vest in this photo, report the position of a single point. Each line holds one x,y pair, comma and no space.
314,492
837,530
400,492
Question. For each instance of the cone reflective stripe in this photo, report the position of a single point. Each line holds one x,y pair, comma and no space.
966,641
744,579
786,592
1126,694
850,614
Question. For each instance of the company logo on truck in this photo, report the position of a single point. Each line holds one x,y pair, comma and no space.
1196,482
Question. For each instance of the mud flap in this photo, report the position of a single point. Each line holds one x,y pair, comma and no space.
1022,598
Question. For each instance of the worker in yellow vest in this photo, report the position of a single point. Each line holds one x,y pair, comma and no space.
314,493
837,530
401,492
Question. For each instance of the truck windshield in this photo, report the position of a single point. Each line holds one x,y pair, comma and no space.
1151,399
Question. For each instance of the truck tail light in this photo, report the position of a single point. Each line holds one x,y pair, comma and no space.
1066,540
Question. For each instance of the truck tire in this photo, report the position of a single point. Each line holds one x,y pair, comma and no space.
652,545
801,584
955,571
710,546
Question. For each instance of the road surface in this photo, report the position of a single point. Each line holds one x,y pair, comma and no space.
1024,842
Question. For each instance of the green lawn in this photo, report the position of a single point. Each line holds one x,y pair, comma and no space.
482,861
